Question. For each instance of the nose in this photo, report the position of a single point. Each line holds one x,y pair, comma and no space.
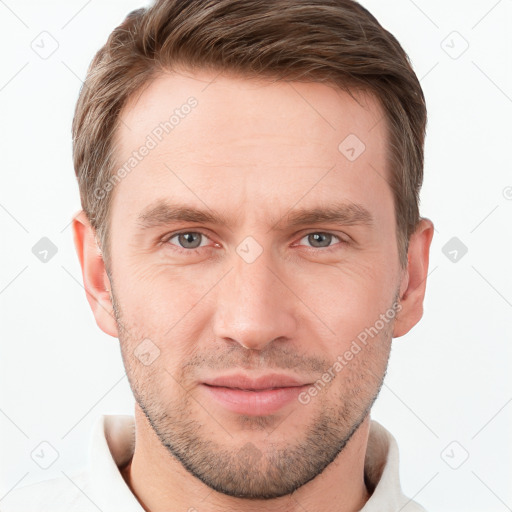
255,304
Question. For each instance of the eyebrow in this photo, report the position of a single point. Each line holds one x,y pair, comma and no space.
346,214
163,213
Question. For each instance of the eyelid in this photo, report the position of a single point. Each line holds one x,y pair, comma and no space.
324,249
168,236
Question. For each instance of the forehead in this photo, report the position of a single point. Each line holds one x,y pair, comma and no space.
213,137
234,103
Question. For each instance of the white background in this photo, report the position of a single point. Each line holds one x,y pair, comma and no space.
449,378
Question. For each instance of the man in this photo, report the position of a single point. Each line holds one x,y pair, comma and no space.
249,175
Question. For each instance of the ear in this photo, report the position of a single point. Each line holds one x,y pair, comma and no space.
414,279
94,274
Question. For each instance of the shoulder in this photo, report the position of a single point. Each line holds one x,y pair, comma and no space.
412,506
67,493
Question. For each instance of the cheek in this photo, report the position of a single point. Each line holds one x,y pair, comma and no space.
348,299
168,306
163,292
153,357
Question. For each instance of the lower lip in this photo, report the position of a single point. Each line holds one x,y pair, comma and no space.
254,403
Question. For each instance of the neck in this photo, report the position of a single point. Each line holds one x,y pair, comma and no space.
161,483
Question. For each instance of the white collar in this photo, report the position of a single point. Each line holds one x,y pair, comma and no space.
111,446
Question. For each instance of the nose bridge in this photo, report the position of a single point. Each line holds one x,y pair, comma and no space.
254,307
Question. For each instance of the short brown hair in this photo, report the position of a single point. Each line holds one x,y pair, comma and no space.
334,41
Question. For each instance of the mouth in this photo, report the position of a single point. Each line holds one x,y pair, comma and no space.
251,389
263,382
254,397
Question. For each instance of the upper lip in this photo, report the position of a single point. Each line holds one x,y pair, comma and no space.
263,382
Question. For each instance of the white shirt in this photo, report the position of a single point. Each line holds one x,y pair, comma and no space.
101,486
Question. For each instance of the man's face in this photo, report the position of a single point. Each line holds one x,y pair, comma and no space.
257,294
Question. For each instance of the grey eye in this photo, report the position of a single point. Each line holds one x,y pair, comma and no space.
320,240
189,239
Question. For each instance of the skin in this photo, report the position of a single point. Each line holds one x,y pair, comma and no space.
253,151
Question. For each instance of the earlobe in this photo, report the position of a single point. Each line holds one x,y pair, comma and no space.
414,280
94,274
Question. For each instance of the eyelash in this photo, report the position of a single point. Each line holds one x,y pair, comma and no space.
182,250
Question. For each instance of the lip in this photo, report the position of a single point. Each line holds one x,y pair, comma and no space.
254,396
240,381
